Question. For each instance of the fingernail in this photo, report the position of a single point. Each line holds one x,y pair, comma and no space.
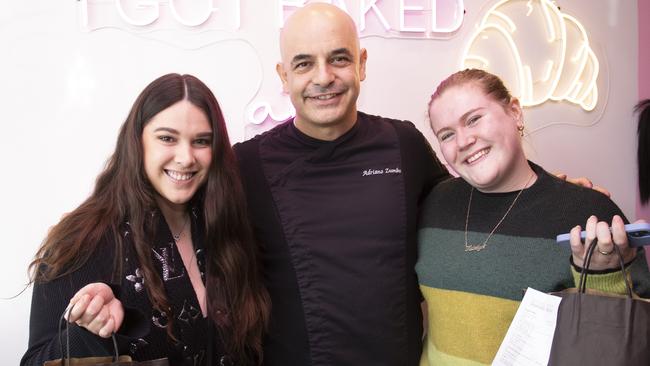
66,312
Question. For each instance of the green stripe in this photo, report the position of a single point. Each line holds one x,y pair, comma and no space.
537,263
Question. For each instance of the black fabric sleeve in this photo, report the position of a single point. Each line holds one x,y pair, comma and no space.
50,300
417,151
281,280
422,172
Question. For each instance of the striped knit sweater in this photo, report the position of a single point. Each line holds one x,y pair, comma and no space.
473,296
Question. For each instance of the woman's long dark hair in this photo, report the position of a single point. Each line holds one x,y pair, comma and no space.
236,299
643,150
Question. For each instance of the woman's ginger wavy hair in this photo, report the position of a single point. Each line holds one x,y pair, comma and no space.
237,302
491,85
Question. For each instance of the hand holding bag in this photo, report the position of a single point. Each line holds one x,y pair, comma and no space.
595,328
116,359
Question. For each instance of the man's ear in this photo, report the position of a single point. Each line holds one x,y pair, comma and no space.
279,68
363,57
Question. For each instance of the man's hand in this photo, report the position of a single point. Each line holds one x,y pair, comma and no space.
583,182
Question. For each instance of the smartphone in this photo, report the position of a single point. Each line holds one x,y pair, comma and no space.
637,235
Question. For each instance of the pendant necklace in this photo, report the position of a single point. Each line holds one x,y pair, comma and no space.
177,237
479,247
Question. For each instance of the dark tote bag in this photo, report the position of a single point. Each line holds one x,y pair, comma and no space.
596,328
116,359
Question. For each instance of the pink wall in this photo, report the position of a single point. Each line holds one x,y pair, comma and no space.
644,51
643,212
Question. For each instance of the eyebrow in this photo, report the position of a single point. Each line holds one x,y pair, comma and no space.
166,129
303,56
342,50
300,57
440,130
204,134
175,132
464,116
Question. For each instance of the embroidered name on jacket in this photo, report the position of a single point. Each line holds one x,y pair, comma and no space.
369,172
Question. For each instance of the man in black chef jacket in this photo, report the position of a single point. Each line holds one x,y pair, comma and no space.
333,196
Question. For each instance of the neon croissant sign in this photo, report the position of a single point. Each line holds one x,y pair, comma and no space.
547,53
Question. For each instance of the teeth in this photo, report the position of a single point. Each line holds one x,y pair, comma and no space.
179,176
475,157
325,97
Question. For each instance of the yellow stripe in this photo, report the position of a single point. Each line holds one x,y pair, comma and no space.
433,357
465,326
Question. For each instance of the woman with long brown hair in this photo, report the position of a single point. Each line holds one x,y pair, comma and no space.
161,253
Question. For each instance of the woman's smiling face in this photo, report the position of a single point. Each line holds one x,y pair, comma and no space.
177,144
478,136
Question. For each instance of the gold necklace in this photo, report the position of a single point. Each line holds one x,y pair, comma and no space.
479,247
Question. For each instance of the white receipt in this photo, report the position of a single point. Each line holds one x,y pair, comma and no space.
530,336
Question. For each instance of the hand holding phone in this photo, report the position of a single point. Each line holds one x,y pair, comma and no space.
637,235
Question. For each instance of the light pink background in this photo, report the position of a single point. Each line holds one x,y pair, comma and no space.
643,212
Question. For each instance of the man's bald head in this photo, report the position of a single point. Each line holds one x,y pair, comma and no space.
315,13
321,69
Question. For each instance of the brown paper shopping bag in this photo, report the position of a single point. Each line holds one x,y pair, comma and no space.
116,359
601,329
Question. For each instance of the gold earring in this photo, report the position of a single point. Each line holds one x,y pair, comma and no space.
520,128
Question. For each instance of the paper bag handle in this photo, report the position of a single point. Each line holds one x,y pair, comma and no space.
65,357
583,272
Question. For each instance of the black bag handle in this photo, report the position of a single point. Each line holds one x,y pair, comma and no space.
65,357
585,267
